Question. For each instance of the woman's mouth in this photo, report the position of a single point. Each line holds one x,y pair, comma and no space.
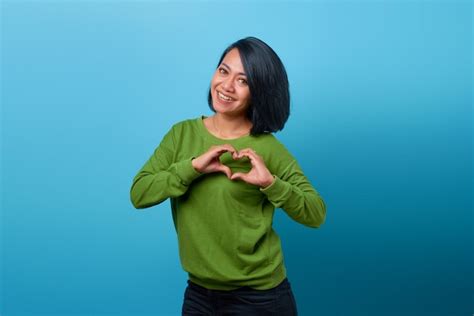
223,97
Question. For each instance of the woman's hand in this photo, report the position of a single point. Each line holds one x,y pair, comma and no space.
209,161
259,174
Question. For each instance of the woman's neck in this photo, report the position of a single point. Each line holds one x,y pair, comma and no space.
227,126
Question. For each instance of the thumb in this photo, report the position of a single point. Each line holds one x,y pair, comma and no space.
225,170
237,175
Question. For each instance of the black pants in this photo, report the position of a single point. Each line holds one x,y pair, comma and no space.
242,301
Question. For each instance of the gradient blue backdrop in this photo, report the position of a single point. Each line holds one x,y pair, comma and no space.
381,123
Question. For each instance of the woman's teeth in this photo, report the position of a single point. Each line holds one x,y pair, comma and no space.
224,97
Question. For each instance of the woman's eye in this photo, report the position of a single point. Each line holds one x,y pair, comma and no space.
224,71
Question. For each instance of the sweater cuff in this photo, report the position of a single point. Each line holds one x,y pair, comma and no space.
186,172
277,191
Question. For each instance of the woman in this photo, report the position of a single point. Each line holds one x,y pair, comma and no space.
225,175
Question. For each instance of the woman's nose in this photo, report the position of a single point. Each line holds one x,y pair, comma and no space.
227,84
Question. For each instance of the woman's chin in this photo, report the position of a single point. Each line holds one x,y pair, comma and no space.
218,106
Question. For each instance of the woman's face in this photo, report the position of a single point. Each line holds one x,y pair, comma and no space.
231,81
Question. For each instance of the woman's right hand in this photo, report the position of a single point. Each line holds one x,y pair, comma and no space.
209,161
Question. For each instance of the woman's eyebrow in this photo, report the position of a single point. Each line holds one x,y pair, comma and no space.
240,73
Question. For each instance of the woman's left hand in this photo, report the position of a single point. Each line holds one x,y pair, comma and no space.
259,174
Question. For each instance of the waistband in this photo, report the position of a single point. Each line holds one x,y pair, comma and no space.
285,284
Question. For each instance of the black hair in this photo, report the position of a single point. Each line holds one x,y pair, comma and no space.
269,106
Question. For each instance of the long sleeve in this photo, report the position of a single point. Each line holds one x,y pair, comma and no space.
160,177
296,196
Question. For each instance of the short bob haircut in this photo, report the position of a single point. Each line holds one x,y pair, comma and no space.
269,106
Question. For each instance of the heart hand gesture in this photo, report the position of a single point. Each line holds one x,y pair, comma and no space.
259,174
209,161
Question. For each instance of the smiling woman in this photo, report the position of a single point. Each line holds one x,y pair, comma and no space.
225,175
231,93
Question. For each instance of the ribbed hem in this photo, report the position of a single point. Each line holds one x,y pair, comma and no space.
274,280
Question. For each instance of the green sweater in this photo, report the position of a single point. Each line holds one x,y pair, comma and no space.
224,227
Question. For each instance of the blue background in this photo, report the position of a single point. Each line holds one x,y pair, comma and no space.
381,123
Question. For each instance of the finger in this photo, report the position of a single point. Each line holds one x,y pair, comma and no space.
248,149
251,155
226,170
230,147
238,175
225,147
219,151
251,151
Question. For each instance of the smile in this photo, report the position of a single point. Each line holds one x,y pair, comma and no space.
224,97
